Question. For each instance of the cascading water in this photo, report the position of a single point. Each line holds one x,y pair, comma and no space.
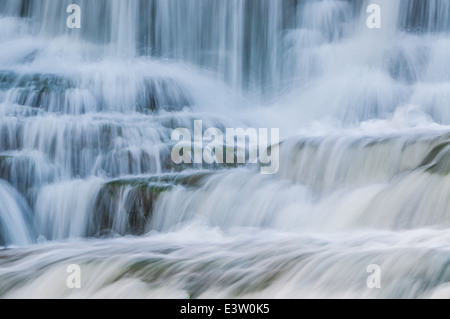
86,175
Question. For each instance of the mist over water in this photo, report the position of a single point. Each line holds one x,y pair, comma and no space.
86,175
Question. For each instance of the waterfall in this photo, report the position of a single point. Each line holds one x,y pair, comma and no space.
87,175
14,217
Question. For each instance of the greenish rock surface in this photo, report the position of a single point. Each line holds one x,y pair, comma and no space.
125,206
437,160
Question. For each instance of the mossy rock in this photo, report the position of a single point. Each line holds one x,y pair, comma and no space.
137,203
162,182
134,197
437,160
434,153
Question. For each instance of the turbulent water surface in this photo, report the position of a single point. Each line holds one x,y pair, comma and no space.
86,175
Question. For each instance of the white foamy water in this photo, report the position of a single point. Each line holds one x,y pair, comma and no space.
86,175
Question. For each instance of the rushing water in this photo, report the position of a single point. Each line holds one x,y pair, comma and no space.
86,175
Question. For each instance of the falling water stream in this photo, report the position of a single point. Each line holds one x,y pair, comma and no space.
86,175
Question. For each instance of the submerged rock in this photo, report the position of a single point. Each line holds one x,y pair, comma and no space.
56,93
437,160
36,90
162,94
26,173
125,206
